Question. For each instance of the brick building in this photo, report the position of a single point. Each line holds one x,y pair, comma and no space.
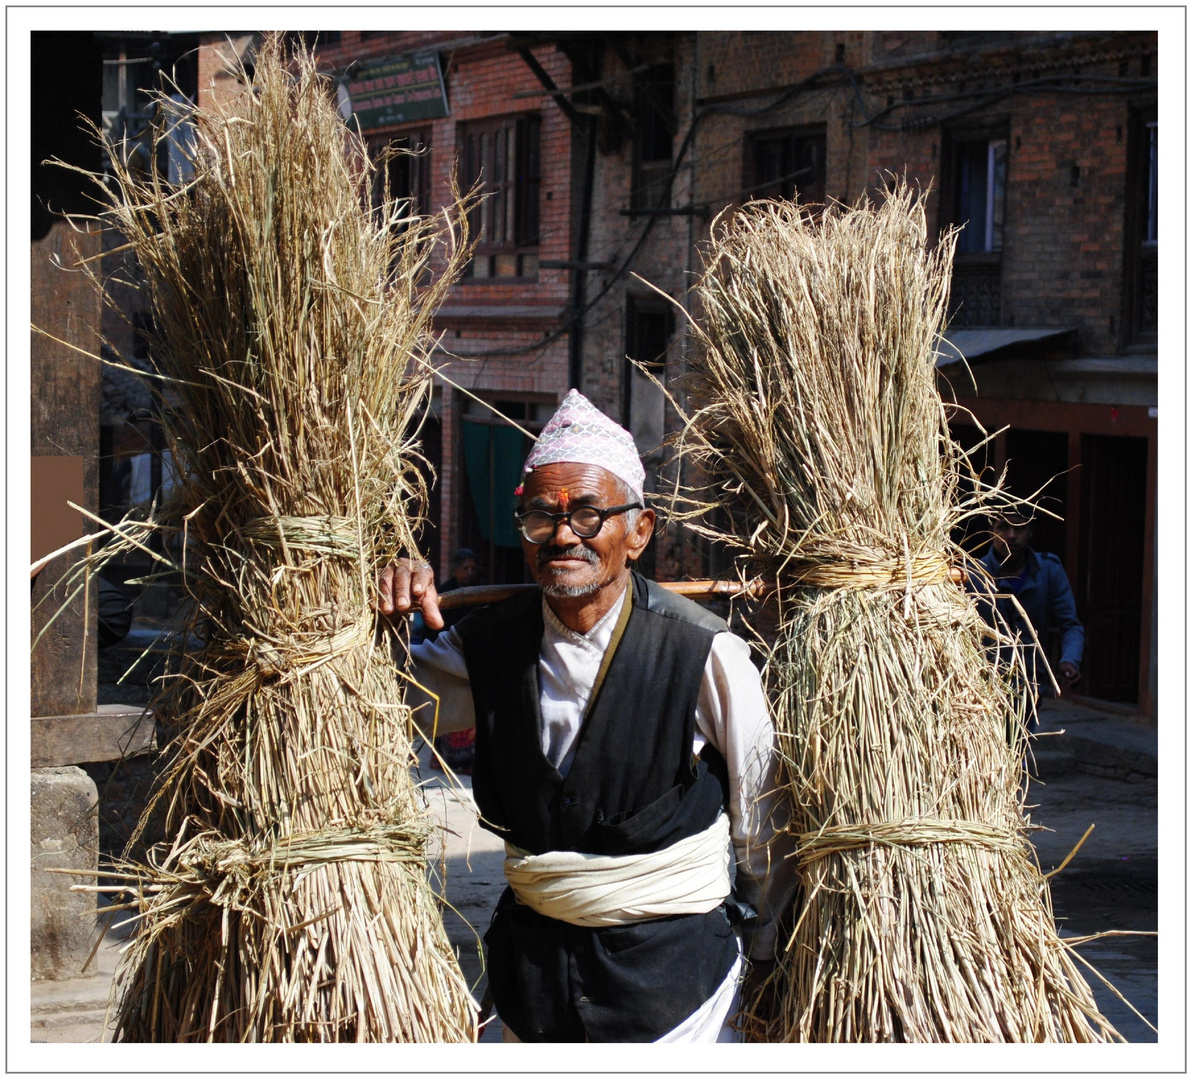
607,155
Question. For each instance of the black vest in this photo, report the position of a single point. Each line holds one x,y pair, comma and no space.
633,787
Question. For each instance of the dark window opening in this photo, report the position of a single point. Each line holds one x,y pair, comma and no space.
403,170
504,155
1143,230
650,325
654,117
786,165
972,533
979,193
976,196
1109,585
1038,461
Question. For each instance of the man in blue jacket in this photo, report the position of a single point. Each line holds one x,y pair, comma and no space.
1037,580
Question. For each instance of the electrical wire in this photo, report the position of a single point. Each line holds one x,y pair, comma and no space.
982,97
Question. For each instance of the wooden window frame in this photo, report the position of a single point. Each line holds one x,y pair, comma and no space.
505,153
786,185
654,138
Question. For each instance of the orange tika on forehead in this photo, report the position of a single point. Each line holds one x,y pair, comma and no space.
564,498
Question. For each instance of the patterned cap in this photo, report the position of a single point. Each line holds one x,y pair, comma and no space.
579,432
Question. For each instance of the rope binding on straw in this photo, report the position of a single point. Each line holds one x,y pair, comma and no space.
385,843
290,652
280,653
875,573
317,535
833,839
211,862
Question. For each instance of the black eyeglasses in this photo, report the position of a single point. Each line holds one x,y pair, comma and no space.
539,527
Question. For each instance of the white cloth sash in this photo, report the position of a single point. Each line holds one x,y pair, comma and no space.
688,878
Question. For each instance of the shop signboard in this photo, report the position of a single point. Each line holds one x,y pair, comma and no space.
397,90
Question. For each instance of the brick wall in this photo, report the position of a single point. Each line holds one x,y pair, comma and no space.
218,56
1066,213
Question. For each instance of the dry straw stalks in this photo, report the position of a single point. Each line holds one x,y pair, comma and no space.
291,327
816,420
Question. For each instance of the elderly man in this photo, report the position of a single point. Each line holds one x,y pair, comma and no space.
624,752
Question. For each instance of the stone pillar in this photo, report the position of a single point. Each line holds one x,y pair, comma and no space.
64,834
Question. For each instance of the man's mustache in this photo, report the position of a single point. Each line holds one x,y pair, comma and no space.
577,551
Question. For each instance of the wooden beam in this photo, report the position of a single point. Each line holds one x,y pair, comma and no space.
1135,420
559,97
110,733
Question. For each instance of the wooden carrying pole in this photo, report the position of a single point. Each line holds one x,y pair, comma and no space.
475,595
704,589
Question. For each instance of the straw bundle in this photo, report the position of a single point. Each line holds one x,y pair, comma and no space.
818,425
291,323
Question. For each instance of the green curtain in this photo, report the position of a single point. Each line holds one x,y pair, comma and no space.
493,456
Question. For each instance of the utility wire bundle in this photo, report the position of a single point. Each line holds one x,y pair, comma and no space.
821,436
291,325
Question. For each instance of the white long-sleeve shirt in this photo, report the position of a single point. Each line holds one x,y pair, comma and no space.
731,713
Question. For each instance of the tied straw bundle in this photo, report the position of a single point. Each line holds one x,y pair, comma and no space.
291,326
816,422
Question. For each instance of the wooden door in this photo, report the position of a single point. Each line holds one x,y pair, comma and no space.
1110,577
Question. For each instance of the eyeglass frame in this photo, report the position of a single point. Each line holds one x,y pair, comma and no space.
557,519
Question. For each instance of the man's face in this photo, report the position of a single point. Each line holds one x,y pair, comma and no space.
466,572
1011,537
568,565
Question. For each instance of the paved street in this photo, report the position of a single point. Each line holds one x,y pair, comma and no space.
1110,884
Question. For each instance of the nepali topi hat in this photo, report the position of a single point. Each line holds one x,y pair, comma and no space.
579,432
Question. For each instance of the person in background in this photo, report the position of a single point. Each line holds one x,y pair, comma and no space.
1037,580
465,573
457,748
